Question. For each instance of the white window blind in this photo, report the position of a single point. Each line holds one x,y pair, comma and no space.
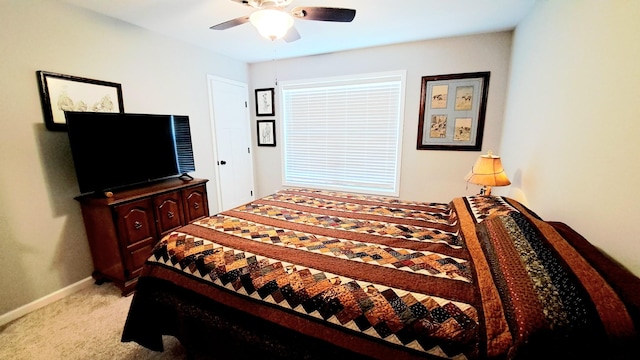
344,134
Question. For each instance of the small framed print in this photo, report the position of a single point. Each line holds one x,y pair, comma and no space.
452,111
264,102
266,133
439,97
60,93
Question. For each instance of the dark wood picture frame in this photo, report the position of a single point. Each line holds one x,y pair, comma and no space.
452,111
60,93
266,133
265,105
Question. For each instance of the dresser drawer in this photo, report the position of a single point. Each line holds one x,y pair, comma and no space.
169,212
195,203
136,222
137,256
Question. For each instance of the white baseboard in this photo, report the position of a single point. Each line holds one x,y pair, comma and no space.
46,300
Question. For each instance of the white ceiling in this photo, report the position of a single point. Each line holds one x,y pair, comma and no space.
377,22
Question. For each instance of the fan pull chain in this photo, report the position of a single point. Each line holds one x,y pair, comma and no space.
275,65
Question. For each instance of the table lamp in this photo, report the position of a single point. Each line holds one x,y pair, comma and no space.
488,172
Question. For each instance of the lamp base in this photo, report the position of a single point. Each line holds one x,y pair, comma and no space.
486,190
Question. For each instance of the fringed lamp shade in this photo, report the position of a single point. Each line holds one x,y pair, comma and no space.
488,171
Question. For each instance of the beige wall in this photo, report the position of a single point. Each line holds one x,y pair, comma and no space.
570,140
44,246
425,175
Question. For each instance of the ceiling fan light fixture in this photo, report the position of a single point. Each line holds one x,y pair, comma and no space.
272,24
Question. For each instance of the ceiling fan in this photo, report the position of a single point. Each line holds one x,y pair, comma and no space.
273,21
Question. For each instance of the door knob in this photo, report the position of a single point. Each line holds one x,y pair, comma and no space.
223,162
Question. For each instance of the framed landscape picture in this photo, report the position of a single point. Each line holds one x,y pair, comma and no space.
60,93
452,111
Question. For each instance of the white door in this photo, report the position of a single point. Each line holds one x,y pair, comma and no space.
232,137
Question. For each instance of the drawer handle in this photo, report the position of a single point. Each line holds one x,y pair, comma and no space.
170,215
137,225
196,205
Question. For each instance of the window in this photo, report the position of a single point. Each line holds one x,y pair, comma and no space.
344,133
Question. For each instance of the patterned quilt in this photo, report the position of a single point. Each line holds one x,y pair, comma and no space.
479,277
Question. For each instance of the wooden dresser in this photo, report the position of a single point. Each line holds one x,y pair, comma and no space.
123,229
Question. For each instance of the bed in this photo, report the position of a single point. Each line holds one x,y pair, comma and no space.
314,274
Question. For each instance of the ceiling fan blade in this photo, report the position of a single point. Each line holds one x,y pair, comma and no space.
323,13
291,35
231,23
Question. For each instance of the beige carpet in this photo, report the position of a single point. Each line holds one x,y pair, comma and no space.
85,325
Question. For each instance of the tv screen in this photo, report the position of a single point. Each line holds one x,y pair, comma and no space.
114,150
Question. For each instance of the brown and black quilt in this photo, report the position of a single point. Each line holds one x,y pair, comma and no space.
314,274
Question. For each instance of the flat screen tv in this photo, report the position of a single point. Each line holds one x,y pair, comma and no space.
115,150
